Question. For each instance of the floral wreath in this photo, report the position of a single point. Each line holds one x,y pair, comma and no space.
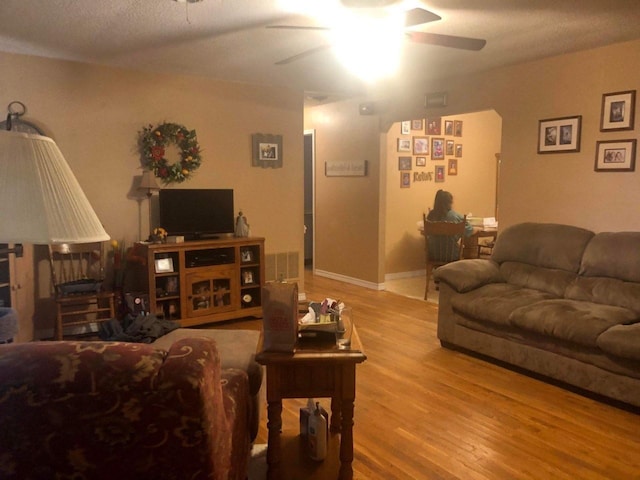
153,142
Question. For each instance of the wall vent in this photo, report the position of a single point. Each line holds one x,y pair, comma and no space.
282,266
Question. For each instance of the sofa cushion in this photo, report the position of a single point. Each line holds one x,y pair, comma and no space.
614,255
494,303
621,341
465,275
607,291
550,280
574,321
542,244
237,349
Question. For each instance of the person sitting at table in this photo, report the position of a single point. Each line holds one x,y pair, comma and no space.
443,212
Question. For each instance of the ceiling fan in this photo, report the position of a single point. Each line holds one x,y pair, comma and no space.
413,17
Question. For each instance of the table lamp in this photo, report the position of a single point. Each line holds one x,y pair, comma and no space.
41,202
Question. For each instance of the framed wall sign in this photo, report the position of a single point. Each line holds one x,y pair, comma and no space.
616,156
559,135
618,110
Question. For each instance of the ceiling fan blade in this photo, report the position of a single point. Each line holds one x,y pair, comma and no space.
297,27
303,54
463,43
418,16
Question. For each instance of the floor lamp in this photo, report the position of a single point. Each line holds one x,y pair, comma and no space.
149,185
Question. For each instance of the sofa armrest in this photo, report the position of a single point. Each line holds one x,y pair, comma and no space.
466,275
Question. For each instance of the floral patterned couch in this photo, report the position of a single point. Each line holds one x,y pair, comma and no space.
94,410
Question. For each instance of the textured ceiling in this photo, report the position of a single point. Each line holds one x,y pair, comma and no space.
227,39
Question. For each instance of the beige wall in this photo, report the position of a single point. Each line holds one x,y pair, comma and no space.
95,113
560,188
347,237
473,188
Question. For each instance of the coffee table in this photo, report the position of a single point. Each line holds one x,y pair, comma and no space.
313,371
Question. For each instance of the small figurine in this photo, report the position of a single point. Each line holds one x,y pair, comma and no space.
242,227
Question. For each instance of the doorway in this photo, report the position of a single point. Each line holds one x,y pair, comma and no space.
309,196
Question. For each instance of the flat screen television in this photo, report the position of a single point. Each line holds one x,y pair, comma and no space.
197,213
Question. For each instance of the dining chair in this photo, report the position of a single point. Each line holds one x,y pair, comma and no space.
444,242
77,274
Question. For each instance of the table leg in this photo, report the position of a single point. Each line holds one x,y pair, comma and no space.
274,426
336,415
346,440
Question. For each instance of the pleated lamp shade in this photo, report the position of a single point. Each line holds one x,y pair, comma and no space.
41,201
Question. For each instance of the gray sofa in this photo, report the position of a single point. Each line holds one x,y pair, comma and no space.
557,300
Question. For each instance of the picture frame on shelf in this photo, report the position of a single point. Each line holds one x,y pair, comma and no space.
404,144
457,128
405,127
417,125
421,145
453,166
404,163
267,150
618,111
246,256
437,148
421,161
439,174
616,155
405,180
449,147
247,277
164,265
559,135
448,127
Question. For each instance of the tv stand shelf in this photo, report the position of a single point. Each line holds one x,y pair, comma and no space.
205,281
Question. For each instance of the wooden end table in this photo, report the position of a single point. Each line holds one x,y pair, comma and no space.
313,371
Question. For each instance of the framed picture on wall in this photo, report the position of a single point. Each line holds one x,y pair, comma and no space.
618,110
405,127
448,127
405,179
434,126
458,150
416,125
439,174
404,163
559,135
404,145
421,161
449,149
457,128
616,156
267,150
453,167
437,148
421,145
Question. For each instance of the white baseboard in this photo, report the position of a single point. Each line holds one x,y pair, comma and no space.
346,279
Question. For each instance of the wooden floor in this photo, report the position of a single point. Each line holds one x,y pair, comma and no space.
425,412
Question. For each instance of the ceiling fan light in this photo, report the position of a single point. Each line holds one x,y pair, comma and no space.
370,46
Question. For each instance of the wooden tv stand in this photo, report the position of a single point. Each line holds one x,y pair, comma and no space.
205,281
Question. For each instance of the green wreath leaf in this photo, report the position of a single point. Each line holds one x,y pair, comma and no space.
153,143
